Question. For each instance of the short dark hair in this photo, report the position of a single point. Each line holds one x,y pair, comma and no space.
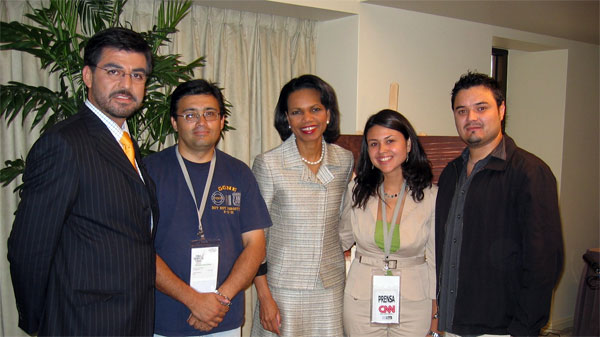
328,99
118,38
473,79
197,87
416,171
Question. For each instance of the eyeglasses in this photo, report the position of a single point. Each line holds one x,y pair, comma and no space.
116,74
209,116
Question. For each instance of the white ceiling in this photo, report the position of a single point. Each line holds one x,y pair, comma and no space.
571,19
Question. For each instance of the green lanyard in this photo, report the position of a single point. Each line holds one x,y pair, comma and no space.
388,230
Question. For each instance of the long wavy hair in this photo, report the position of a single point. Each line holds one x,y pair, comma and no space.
416,171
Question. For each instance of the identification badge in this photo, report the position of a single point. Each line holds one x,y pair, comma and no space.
204,266
385,302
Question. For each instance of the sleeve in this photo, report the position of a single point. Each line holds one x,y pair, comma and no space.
430,247
49,190
345,228
264,178
542,250
254,213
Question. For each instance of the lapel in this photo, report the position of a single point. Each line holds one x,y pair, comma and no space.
292,160
106,145
150,187
290,154
372,206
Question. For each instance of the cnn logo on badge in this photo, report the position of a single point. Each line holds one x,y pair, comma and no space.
386,308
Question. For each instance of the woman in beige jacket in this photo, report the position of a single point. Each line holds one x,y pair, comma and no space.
303,182
392,172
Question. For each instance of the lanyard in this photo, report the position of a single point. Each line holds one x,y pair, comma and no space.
389,233
209,178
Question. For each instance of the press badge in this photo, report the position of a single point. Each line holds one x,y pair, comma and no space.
204,265
385,303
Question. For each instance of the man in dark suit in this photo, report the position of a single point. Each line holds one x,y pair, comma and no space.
81,250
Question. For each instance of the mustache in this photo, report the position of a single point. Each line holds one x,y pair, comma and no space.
470,124
125,93
200,128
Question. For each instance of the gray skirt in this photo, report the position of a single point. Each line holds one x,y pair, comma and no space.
305,313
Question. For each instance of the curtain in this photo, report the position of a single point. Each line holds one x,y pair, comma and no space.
250,55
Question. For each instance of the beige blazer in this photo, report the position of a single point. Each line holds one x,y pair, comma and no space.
303,244
417,239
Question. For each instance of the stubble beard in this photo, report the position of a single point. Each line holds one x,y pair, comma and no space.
473,140
117,110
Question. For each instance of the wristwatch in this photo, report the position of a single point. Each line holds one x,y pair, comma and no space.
434,334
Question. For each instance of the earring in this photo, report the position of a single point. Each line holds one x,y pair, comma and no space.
289,126
327,121
406,161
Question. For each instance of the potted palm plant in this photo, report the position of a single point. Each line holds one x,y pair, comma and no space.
61,30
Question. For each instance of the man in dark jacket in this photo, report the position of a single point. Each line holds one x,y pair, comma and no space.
498,230
81,250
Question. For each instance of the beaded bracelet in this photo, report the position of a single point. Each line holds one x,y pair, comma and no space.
227,298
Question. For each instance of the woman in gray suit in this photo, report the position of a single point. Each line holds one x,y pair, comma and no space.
389,214
303,182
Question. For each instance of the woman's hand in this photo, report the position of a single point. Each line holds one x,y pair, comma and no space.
434,320
270,318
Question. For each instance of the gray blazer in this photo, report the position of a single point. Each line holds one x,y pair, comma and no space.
303,245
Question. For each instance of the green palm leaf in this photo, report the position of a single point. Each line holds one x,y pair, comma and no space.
61,30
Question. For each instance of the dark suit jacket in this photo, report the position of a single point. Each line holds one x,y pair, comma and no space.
81,250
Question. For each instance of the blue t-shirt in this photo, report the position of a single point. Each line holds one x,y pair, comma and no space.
234,206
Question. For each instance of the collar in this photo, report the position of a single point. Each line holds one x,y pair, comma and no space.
292,159
291,156
498,152
498,158
114,128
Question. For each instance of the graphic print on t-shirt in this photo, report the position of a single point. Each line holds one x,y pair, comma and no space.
226,199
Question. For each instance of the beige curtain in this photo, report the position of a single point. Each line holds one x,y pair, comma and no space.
250,55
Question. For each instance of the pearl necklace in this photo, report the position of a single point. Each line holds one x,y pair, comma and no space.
320,159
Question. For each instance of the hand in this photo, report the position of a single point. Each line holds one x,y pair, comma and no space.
433,330
198,324
270,318
208,310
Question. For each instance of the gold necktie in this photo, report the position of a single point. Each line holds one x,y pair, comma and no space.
128,147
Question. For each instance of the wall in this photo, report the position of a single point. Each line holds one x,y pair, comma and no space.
536,96
334,61
579,199
425,55
553,114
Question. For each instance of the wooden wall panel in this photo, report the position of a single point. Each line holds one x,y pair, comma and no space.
440,149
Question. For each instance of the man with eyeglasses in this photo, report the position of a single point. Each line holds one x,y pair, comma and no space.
210,239
81,250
